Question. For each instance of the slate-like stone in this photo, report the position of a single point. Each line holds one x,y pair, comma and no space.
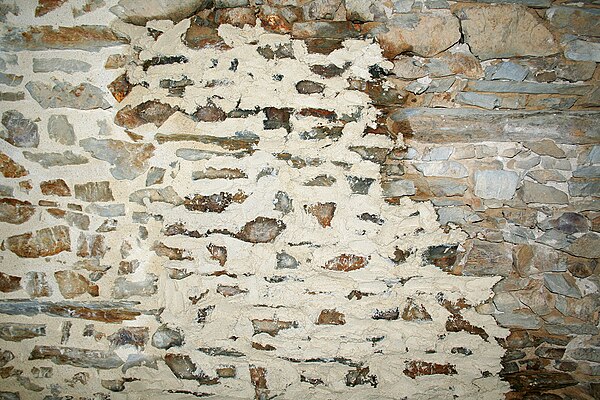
42,243
584,187
138,13
562,284
16,332
48,160
496,184
19,131
576,20
217,202
96,311
15,211
286,261
129,336
60,130
582,50
163,195
324,29
84,37
10,169
531,192
398,188
463,125
508,70
10,79
447,169
69,66
129,160
62,94
527,87
359,185
82,358
587,246
487,101
503,31
412,33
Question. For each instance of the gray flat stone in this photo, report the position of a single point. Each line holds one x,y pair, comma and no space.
48,160
496,184
398,188
446,169
528,87
62,94
129,160
60,130
487,101
431,125
447,187
20,131
60,64
587,246
107,211
139,12
440,153
587,172
509,71
545,147
577,20
561,283
581,50
584,187
531,192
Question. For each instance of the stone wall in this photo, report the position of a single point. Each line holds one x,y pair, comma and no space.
319,199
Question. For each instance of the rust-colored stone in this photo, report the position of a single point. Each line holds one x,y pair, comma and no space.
202,33
346,262
238,16
420,368
91,246
152,111
120,87
15,211
261,230
318,113
55,187
415,312
258,376
11,169
45,6
323,45
9,283
210,113
271,326
184,368
457,323
71,284
323,212
43,243
331,317
172,253
218,253
85,37
229,291
134,336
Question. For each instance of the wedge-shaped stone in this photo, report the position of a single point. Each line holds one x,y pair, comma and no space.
72,284
10,169
48,160
43,243
139,12
15,211
261,230
152,111
184,368
60,64
82,358
15,332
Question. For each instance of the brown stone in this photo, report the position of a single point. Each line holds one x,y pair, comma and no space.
389,315
45,6
271,326
457,323
82,358
346,262
91,246
11,169
238,16
16,332
120,87
203,34
442,256
129,160
229,290
226,372
360,376
415,312
85,37
71,284
152,111
184,368
279,19
323,45
421,368
323,212
214,202
218,253
15,211
261,230
210,113
485,259
277,118
116,61
172,253
331,317
539,380
42,243
9,283
56,187
581,267
36,285
324,29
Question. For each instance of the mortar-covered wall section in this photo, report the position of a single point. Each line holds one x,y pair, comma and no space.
299,199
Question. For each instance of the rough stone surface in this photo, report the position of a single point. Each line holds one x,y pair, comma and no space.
129,160
502,31
42,243
18,130
62,94
500,185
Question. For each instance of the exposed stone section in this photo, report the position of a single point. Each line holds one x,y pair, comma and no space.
62,94
18,130
42,243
